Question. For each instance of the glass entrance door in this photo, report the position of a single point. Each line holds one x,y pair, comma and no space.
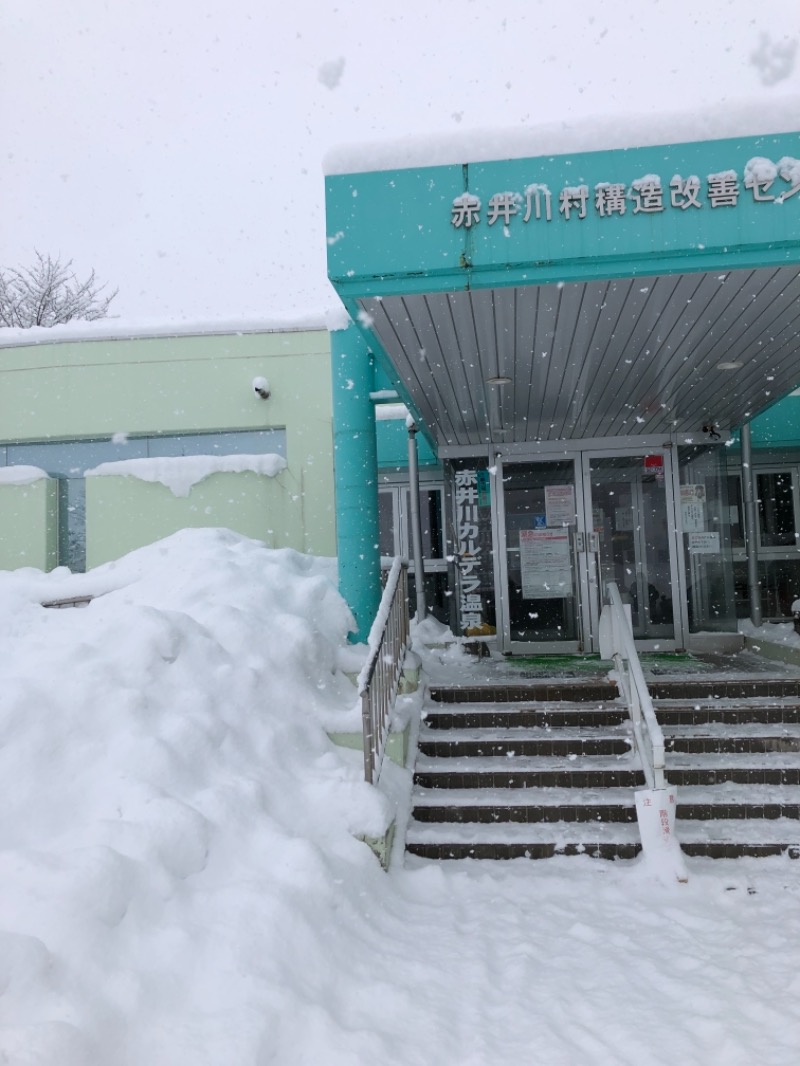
569,526
539,566
629,499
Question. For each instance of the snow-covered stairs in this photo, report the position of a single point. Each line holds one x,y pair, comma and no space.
540,770
733,751
525,771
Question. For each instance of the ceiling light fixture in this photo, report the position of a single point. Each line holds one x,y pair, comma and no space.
732,365
500,379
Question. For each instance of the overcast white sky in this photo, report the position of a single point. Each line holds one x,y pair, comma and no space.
177,145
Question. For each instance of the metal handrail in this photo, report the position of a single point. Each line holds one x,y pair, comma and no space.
380,676
646,730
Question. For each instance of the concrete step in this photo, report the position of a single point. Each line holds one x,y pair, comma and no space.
493,805
525,716
735,838
596,691
724,688
555,743
767,711
607,840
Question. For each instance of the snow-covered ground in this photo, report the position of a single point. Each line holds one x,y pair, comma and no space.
182,883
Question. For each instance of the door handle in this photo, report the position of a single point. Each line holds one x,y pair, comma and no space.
594,542
580,542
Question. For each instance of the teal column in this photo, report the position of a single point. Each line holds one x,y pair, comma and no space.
355,464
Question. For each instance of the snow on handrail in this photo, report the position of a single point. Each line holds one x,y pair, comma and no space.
646,730
380,676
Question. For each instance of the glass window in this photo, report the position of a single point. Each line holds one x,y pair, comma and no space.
386,522
430,513
709,510
780,587
248,442
776,509
736,510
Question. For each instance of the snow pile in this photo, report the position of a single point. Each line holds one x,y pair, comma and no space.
180,473
21,475
173,811
182,885
771,632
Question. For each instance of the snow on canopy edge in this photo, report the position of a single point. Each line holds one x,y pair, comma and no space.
744,118
180,473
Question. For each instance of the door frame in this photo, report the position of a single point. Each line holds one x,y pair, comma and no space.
585,560
565,647
674,541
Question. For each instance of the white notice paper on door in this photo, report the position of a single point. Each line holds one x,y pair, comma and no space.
559,505
545,562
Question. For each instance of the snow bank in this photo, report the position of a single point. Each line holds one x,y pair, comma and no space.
179,473
169,797
181,885
21,475
771,632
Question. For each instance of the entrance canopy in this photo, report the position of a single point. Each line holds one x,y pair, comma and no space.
615,293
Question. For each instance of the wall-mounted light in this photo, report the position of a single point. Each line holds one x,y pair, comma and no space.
261,388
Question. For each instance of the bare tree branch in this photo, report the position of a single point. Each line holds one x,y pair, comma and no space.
48,293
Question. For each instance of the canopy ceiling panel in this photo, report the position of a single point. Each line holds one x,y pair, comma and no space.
600,358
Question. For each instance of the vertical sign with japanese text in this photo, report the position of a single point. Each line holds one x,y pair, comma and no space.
470,608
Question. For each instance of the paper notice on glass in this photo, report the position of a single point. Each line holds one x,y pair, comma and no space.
623,519
693,508
559,503
545,563
704,543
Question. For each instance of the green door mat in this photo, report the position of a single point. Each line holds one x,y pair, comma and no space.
585,665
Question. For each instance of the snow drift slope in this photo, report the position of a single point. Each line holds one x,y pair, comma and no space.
180,883
169,795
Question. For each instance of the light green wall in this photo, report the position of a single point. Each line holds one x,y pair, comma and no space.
185,384
123,513
29,525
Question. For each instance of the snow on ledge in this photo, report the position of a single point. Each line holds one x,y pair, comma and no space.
106,329
744,118
771,632
181,473
21,475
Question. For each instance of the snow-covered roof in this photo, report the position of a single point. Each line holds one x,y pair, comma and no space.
130,329
598,133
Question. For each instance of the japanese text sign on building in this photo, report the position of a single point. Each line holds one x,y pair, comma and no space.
469,550
763,181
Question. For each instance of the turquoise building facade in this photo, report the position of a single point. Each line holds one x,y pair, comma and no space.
580,337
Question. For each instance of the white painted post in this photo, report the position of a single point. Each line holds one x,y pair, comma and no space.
655,813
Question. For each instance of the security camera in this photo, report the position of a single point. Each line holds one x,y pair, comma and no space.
261,388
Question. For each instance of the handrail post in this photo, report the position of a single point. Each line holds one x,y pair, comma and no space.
380,676
655,805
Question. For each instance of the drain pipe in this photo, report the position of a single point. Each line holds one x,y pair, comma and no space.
416,524
751,526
